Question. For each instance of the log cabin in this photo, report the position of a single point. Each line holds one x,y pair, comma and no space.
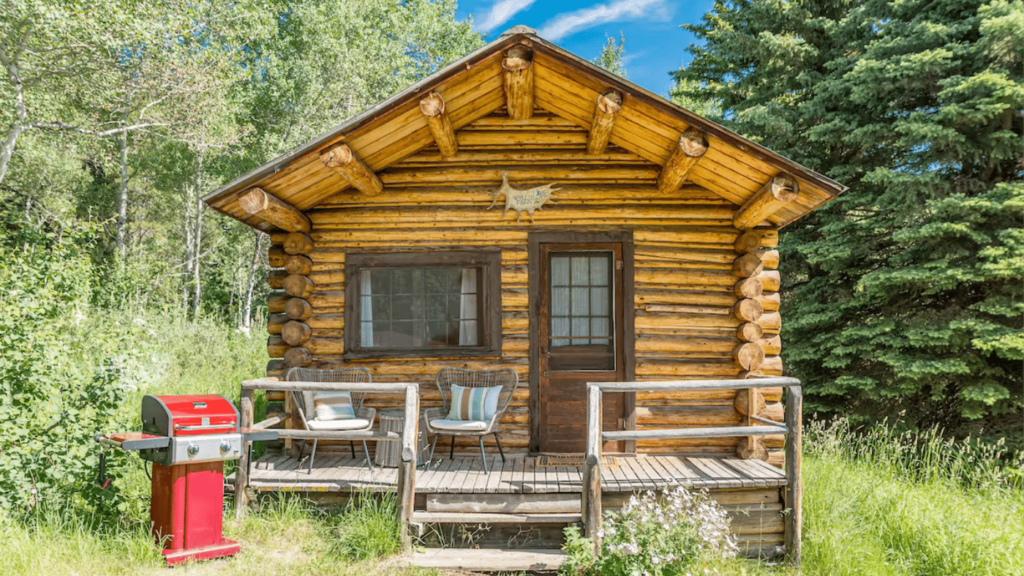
523,208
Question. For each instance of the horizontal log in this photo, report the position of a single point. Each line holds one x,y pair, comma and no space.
748,355
327,299
749,332
770,301
749,288
770,258
276,256
276,301
770,321
742,402
276,346
298,357
689,385
771,394
322,321
772,365
275,279
275,368
774,411
772,345
275,322
771,279
687,416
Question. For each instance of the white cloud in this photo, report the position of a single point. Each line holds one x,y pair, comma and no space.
502,11
563,25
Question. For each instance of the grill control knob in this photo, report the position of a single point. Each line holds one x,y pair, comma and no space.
225,447
192,449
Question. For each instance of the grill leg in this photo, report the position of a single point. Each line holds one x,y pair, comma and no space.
451,453
312,455
367,452
352,446
502,452
483,456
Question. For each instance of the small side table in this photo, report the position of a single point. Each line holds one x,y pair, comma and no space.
389,452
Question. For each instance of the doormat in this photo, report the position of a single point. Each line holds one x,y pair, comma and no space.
569,460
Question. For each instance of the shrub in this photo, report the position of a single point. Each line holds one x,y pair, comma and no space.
654,535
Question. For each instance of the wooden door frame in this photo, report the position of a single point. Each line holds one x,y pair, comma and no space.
534,240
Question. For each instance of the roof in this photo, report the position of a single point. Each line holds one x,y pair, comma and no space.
566,85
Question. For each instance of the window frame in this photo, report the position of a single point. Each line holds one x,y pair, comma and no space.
489,323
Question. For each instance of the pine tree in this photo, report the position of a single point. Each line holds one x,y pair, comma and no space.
904,295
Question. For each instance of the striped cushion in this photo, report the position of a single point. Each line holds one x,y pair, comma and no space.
333,405
474,403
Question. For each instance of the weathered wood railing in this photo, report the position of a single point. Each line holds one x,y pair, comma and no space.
792,428
406,485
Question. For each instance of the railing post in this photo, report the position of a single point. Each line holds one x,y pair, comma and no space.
591,505
794,484
242,471
407,470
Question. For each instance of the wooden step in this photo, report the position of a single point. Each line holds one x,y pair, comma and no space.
490,560
557,503
492,518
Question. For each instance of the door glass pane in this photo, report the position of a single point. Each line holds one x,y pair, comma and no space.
581,311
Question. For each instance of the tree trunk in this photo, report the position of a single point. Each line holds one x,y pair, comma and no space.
197,240
20,123
122,205
251,284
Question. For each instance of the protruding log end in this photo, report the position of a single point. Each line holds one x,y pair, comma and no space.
607,109
276,368
276,346
433,107
749,332
338,156
748,242
748,310
518,81
257,202
742,401
298,357
301,309
341,158
772,345
747,266
298,243
275,322
296,333
749,356
749,288
298,286
276,257
692,146
750,448
767,201
298,264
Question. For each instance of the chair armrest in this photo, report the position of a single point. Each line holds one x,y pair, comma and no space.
367,414
433,414
495,419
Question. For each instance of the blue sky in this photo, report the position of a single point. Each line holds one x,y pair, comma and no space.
655,44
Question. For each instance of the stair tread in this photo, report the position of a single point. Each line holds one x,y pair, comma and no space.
489,560
493,518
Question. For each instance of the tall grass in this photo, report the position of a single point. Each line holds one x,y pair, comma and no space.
880,503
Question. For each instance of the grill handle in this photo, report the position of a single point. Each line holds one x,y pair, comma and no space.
204,426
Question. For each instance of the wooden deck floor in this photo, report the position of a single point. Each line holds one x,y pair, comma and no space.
518,475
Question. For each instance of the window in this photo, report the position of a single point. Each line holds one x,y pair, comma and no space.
423,304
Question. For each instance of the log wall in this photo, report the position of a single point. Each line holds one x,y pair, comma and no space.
688,259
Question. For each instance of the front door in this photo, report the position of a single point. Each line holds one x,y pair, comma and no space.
580,337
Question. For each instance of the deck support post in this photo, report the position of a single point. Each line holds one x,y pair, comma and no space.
242,472
794,484
591,505
407,469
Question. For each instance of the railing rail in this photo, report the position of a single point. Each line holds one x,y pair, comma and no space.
791,428
406,484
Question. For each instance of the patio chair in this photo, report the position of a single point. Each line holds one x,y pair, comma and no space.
342,429
437,419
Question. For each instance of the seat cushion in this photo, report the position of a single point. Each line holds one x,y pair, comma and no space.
342,424
333,406
459,425
474,403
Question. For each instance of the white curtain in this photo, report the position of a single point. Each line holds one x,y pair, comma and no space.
467,313
365,310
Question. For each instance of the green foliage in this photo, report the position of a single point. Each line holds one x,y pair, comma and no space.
665,534
904,294
612,57
54,396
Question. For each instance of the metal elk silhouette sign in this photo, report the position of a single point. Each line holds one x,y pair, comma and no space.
529,200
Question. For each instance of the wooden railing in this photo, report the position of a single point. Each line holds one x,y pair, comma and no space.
794,407
406,485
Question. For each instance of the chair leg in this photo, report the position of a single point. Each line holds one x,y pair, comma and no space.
367,452
483,456
432,446
451,453
312,455
302,448
352,447
502,452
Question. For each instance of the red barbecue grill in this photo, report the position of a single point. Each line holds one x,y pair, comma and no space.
188,439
